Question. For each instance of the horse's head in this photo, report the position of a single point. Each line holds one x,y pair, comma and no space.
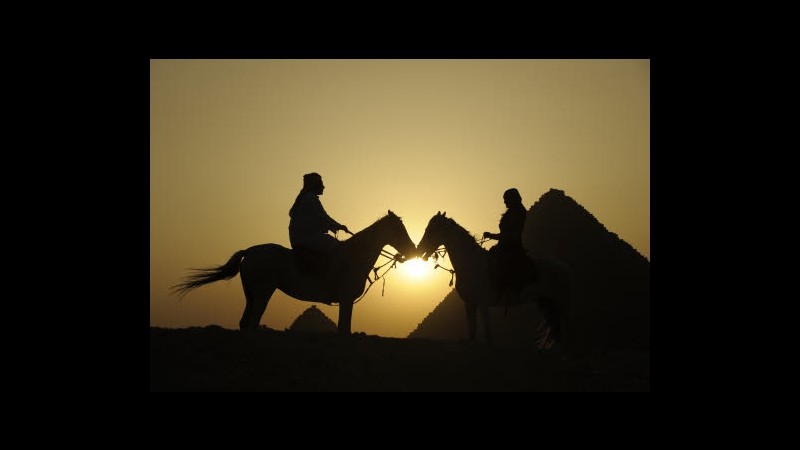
433,236
399,238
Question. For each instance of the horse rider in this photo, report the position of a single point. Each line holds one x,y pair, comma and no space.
309,223
510,268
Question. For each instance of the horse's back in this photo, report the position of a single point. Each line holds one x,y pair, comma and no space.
306,261
273,266
268,248
265,258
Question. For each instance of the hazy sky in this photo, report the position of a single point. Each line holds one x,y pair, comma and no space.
231,139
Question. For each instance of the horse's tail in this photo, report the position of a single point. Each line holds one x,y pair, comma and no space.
555,305
205,276
552,322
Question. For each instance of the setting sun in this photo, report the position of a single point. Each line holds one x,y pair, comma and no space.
414,268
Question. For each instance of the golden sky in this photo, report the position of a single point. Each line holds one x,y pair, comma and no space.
231,139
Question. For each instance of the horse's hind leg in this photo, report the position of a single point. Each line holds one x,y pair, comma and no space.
257,298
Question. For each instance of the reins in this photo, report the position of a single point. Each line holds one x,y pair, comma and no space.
441,251
393,259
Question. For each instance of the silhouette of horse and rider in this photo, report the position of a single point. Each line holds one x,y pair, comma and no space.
320,268
505,275
479,290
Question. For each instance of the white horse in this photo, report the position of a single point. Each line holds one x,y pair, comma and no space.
471,264
267,267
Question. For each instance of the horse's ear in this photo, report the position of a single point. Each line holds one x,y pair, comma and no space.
444,214
391,213
439,213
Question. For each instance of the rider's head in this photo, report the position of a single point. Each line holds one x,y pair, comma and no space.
512,197
313,182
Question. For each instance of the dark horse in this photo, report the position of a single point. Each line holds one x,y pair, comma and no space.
471,263
267,267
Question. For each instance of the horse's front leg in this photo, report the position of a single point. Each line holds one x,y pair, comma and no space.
471,311
345,317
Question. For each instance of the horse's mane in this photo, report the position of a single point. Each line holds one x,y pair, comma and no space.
374,225
379,220
464,232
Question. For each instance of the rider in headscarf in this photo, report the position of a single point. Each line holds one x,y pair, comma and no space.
309,223
508,255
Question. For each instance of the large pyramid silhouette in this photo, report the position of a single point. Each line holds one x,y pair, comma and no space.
610,301
313,320
448,322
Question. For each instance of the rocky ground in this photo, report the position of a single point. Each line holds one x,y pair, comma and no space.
217,359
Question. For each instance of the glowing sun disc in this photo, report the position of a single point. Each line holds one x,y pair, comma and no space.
415,268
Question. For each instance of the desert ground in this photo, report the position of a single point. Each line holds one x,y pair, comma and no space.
216,359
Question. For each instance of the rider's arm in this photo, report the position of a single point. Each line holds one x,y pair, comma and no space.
329,221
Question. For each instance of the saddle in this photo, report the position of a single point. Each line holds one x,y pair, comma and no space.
510,273
310,262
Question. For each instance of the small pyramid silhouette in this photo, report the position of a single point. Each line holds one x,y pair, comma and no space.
313,320
445,322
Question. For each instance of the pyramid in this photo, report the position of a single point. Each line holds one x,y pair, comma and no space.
610,303
314,321
447,322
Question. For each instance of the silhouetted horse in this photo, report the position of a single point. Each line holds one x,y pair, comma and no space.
471,263
267,267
